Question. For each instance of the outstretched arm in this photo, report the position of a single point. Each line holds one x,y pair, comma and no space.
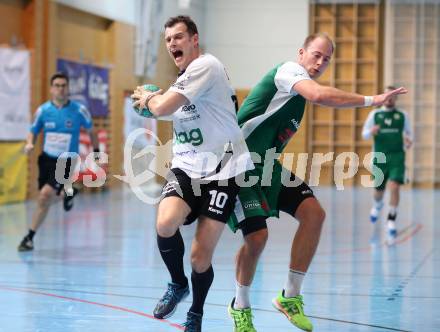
333,97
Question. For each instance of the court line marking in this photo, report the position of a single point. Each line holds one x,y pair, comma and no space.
227,290
417,228
109,306
399,240
328,319
401,286
176,325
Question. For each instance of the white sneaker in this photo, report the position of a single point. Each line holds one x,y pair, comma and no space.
391,232
374,215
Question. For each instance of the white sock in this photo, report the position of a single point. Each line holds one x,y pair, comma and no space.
293,284
378,205
241,296
375,210
391,225
392,211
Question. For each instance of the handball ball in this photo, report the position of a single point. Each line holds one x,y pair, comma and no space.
145,112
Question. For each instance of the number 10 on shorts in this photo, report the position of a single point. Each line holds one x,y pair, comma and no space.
218,199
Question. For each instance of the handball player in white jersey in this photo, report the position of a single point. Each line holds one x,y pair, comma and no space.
209,151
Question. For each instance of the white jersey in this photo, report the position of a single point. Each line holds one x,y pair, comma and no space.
205,128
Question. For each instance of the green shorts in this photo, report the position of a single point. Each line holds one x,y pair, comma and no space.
268,196
393,169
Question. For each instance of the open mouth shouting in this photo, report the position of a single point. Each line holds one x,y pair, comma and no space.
177,55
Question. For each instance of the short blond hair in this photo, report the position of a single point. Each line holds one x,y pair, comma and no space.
314,36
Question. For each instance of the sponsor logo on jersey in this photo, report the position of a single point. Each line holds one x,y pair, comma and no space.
191,118
189,108
306,192
49,125
295,124
286,135
180,84
68,123
389,130
194,137
190,113
190,153
397,116
254,204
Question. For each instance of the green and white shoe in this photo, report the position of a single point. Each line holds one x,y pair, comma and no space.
292,308
242,318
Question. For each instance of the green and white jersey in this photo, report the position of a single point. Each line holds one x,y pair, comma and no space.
394,125
273,111
205,128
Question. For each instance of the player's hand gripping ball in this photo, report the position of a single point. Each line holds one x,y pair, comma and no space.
145,112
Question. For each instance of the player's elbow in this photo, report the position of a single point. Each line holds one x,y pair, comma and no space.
316,97
162,106
158,108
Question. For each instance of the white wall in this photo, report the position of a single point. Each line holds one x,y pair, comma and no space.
248,36
117,10
252,36
125,11
196,10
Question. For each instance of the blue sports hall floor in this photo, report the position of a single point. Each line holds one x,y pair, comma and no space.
97,268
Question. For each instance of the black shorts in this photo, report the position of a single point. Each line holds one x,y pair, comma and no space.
46,172
215,199
289,199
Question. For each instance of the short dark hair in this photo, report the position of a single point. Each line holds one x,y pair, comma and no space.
191,27
314,36
59,75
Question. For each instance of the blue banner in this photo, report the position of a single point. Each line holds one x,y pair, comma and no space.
88,85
